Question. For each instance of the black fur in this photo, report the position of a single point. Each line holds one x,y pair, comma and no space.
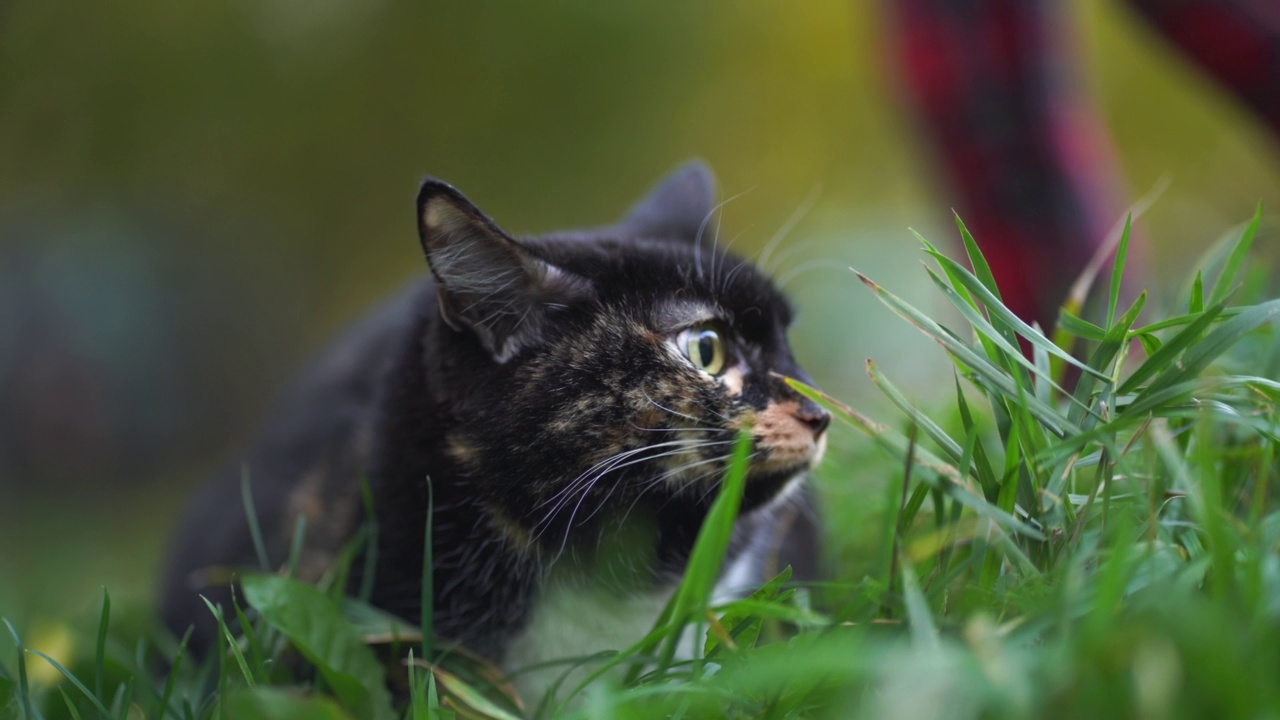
517,368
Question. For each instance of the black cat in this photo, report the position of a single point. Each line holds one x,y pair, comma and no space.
572,400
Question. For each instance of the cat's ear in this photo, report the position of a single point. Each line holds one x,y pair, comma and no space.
487,282
677,207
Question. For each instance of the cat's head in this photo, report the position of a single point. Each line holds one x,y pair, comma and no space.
619,363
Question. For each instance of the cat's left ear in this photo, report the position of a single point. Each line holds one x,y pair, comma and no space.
676,208
487,283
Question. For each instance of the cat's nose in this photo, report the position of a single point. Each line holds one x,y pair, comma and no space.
814,416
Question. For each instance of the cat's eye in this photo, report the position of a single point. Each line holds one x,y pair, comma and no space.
704,348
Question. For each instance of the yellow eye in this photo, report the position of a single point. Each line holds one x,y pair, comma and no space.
703,347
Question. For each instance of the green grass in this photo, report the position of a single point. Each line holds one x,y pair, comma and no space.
1088,531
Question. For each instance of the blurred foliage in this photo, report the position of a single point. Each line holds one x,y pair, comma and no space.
197,195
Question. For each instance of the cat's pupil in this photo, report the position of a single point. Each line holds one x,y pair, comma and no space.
706,349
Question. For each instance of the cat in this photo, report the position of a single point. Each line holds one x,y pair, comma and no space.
571,400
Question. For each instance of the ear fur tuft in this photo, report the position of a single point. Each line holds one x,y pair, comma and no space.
486,281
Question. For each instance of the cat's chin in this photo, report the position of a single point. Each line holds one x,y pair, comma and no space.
766,485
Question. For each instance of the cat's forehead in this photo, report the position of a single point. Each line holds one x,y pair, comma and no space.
680,283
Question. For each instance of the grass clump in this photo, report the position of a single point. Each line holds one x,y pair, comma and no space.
1082,525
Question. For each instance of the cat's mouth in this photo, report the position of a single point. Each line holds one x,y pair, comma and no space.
789,437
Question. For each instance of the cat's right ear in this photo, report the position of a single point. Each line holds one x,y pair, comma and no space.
676,208
486,281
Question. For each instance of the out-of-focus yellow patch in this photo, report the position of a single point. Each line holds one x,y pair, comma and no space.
56,642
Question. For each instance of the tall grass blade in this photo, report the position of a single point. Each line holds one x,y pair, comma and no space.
1235,260
924,634
1164,357
232,645
978,366
1198,357
427,607
936,433
100,651
1001,314
71,707
24,688
172,678
1117,271
75,682
980,267
251,515
369,570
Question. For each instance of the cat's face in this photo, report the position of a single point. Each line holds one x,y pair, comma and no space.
623,361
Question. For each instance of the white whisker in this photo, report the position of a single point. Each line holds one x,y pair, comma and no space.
787,227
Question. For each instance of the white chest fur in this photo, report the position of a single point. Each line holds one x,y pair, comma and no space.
572,621
575,621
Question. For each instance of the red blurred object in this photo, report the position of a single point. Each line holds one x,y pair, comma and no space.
1024,154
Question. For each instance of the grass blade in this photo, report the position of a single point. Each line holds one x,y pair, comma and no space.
102,709
1198,357
24,688
1006,349
99,656
1117,271
1001,314
427,608
1231,268
233,646
172,678
980,267
1163,358
979,366
251,514
936,433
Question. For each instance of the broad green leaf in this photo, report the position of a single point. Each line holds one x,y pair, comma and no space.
466,700
276,704
315,626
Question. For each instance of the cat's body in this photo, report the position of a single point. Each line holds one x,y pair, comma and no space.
572,400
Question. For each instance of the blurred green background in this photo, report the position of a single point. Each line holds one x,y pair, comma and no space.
194,197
